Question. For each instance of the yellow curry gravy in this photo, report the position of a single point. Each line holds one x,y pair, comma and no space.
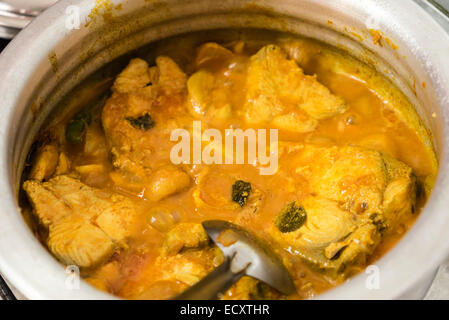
370,120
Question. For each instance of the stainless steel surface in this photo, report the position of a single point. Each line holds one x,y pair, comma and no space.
438,9
442,5
17,14
439,290
5,291
26,7
18,295
27,79
245,254
12,20
8,33
251,254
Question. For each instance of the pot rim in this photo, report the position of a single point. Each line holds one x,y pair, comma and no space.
33,270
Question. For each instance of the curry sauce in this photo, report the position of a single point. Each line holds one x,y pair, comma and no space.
111,201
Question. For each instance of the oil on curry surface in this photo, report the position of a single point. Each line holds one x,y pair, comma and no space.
352,174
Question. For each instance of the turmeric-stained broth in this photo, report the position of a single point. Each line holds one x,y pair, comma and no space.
369,121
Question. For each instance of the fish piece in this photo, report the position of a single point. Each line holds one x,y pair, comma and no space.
74,241
166,181
277,88
45,163
185,236
133,125
355,197
85,224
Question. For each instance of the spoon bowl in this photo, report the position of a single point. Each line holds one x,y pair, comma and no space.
245,254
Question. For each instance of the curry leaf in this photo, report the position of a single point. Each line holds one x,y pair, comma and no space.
240,192
291,218
144,122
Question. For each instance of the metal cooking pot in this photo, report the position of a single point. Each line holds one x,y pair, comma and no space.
46,60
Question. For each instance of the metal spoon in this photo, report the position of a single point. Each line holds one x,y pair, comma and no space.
245,254
5,291
439,289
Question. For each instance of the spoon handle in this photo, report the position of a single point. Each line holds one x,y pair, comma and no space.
5,291
439,289
213,285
